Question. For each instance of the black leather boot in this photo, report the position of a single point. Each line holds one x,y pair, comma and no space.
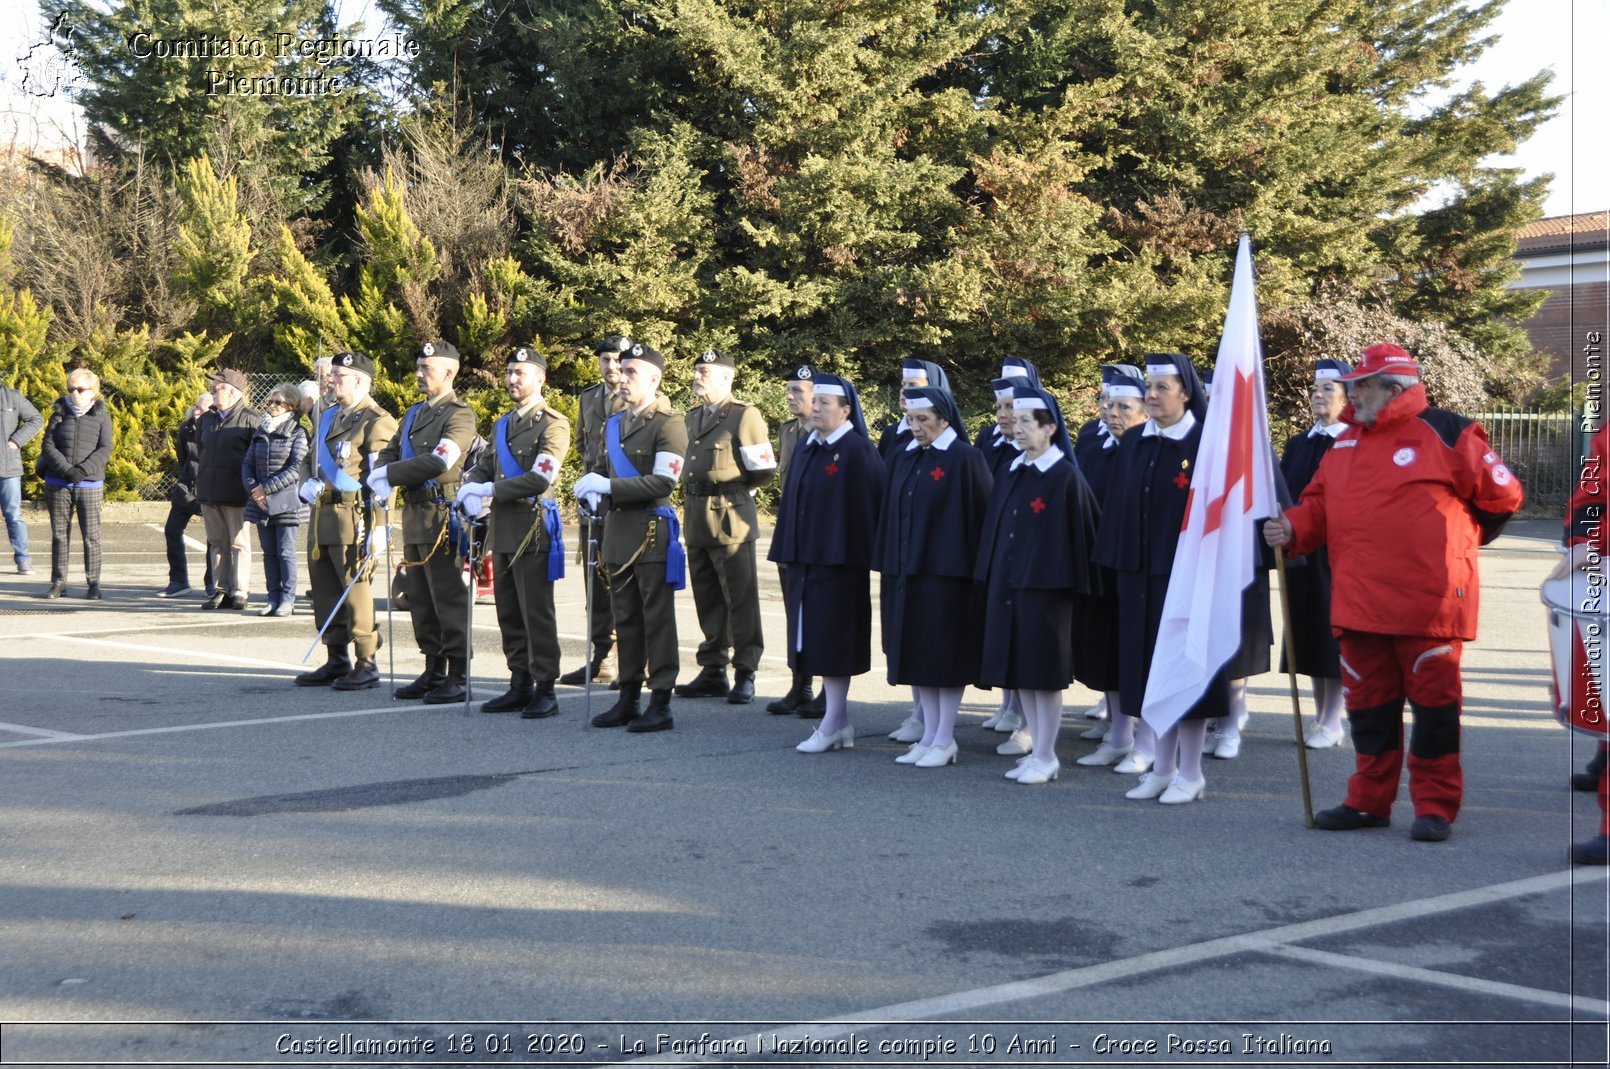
798,694
513,699
364,675
711,682
657,717
624,711
542,704
334,667
815,707
428,680
743,687
451,688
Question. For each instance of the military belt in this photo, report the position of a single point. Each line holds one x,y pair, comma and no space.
694,488
335,497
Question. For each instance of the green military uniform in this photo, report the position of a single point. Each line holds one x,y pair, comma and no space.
790,435
729,455
597,404
440,431
342,522
538,438
637,542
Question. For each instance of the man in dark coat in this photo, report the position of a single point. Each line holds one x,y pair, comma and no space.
182,503
224,436
72,459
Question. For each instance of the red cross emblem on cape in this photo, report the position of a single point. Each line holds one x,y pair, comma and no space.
832,467
1181,480
1038,505
937,474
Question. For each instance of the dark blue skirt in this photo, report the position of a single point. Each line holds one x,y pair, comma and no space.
930,630
829,619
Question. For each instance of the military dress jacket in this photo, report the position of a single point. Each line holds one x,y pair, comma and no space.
729,454
655,441
539,438
595,405
441,433
354,437
789,436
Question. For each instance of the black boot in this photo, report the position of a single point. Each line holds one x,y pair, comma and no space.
335,666
624,711
657,717
543,704
743,687
797,695
1588,778
427,681
364,675
711,682
513,699
451,689
815,707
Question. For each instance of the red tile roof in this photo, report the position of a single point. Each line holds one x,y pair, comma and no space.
1585,231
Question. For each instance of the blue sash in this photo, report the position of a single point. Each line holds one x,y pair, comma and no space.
407,442
510,468
332,472
676,559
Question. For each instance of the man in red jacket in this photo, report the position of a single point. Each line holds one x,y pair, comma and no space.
1403,501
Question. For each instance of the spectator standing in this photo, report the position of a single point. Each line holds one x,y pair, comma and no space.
72,459
182,503
225,434
271,473
19,422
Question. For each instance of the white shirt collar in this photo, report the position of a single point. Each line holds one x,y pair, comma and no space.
1046,459
941,443
1176,432
1334,430
902,427
1110,442
844,428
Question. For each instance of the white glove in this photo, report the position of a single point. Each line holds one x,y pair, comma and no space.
473,505
310,491
594,503
377,482
591,485
377,540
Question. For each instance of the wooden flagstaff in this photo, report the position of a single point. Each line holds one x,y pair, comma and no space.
1291,674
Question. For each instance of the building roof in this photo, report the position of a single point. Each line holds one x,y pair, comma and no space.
1590,230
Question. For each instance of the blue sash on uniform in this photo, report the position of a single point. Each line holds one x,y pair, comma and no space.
335,474
457,536
407,442
676,560
510,468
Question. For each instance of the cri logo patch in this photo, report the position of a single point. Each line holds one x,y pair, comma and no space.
1403,457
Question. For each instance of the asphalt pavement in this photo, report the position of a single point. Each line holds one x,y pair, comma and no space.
204,865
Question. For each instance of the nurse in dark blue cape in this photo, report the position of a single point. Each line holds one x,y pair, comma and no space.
1035,559
999,445
913,373
933,509
826,523
1140,526
1313,649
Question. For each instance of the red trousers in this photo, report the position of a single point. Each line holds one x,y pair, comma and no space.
1378,673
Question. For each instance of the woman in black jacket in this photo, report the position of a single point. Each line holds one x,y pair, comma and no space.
271,474
72,458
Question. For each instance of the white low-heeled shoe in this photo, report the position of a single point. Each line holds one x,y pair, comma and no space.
1104,755
913,755
821,743
1017,769
1322,738
1021,742
937,757
1036,772
1097,711
1151,785
1181,791
910,730
1227,747
1097,732
1010,721
1134,764
993,720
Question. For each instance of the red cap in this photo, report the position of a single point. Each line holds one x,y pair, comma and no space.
1384,358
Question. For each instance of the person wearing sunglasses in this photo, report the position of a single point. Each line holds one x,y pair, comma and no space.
72,460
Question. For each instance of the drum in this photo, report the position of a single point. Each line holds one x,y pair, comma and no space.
1579,627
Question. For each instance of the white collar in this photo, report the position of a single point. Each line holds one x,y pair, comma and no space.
902,427
1175,433
1334,430
844,428
1044,462
1110,443
941,443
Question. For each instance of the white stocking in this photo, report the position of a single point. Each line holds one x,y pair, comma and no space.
837,692
1192,736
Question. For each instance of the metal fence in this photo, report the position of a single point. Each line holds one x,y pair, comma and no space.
1544,449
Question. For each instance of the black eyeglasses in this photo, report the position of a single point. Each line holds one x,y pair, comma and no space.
80,389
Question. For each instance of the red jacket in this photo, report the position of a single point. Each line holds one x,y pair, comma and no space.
1403,506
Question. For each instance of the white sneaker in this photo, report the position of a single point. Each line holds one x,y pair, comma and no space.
1151,785
1134,764
1021,742
1227,747
1010,721
1097,732
910,730
1322,738
1097,711
1104,755
1181,791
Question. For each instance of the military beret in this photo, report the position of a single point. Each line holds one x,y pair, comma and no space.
645,353
802,373
443,349
354,362
615,343
716,357
524,355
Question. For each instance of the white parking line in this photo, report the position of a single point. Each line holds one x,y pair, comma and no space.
139,647
45,733
1270,940
213,725
188,541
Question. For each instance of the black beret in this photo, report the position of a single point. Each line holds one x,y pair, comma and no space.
354,362
523,355
615,343
443,349
803,373
716,357
648,355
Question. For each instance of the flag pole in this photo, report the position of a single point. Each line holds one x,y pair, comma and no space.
1291,674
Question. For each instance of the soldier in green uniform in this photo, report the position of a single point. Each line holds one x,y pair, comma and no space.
425,462
801,388
596,404
644,448
350,435
513,479
729,457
